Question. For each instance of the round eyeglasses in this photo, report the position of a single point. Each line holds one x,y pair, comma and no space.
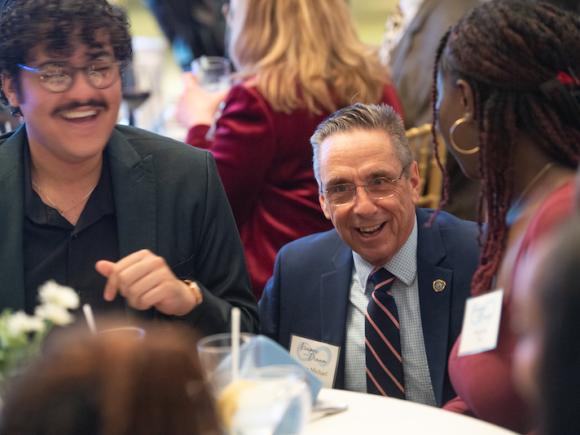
376,188
59,77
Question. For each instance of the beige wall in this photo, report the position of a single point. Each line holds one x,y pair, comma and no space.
369,15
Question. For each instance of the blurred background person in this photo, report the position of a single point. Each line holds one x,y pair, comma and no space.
193,27
298,60
547,357
412,33
112,384
506,105
410,41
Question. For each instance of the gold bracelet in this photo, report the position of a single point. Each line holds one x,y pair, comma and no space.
195,290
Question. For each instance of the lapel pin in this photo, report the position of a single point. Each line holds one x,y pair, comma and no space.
439,285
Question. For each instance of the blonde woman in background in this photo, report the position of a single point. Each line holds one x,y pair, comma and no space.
298,61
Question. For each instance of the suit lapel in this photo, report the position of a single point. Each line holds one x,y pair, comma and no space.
11,221
435,306
334,301
134,191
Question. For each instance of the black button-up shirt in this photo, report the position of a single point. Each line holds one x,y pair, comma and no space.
56,249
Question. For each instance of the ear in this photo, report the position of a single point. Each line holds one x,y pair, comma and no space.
324,206
9,88
467,96
415,181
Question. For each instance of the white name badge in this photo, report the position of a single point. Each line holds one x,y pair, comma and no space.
320,358
481,323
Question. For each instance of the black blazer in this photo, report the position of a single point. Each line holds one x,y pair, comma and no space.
168,199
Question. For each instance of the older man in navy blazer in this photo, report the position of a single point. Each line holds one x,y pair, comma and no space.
319,291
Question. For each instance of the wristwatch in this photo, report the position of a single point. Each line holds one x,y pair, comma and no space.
195,290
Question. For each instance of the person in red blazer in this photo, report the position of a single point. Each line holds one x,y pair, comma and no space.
297,61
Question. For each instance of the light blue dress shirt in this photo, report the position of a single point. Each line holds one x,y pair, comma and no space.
405,290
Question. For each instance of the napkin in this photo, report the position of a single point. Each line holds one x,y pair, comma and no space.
261,351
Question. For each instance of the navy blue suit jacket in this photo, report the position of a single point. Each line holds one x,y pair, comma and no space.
308,295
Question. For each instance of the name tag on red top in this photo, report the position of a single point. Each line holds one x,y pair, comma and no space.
481,323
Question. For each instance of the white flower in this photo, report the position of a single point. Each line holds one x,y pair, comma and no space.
21,323
54,313
55,294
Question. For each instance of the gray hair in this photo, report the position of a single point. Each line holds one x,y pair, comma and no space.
362,117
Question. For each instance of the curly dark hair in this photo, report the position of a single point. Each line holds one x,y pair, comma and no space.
54,25
511,53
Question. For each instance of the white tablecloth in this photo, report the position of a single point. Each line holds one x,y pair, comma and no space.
370,414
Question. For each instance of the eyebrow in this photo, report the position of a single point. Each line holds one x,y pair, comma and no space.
100,53
379,173
337,180
90,55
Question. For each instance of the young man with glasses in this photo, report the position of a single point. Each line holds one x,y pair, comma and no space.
131,220
320,295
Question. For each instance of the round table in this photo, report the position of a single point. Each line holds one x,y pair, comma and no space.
371,414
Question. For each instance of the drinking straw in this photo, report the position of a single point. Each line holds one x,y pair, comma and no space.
235,343
88,312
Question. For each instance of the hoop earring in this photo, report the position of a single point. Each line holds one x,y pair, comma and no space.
459,150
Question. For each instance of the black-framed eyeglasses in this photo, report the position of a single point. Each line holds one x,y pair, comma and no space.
376,188
59,77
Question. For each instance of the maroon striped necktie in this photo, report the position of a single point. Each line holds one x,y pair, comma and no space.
382,339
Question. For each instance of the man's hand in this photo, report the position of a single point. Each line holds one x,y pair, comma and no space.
146,281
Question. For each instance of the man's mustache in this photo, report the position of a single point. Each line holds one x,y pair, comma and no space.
97,104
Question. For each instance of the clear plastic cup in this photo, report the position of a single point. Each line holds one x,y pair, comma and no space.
268,400
213,72
215,357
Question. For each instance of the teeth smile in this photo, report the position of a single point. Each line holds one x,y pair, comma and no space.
370,229
79,114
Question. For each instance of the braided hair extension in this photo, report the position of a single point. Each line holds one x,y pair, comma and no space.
434,98
507,50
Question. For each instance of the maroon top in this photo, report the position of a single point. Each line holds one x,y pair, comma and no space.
484,381
264,159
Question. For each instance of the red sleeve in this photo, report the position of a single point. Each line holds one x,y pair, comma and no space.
391,98
196,136
243,147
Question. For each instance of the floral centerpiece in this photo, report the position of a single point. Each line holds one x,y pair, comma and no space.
21,335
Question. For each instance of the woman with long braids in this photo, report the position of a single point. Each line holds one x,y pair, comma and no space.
507,103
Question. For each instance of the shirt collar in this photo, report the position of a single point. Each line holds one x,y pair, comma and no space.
100,203
403,264
34,208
